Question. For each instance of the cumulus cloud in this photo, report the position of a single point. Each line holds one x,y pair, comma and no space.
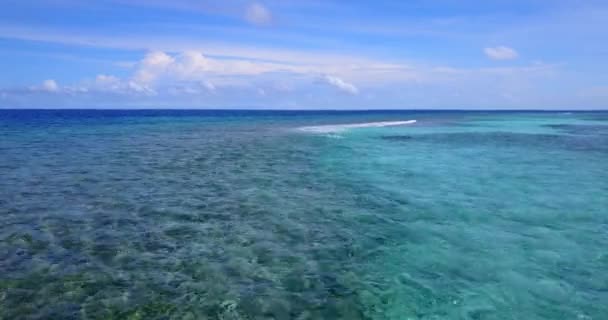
153,64
258,15
159,69
341,84
114,85
107,82
501,53
194,66
195,79
49,86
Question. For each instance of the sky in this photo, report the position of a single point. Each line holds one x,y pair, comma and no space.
304,54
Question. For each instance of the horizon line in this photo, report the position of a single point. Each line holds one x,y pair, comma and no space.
300,110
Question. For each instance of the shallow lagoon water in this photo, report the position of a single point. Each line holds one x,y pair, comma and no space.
240,215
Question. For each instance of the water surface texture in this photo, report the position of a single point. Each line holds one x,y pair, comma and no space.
243,215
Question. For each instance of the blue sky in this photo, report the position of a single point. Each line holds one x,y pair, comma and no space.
289,54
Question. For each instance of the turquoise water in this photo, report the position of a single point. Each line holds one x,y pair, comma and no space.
240,215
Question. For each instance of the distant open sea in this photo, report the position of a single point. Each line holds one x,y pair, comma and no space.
288,215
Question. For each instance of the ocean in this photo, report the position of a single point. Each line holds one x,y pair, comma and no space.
159,214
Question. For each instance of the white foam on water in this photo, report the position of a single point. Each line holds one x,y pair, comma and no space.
334,128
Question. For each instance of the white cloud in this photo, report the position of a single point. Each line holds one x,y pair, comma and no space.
191,88
111,84
135,87
157,59
49,86
103,81
258,14
501,53
159,67
196,80
341,84
153,64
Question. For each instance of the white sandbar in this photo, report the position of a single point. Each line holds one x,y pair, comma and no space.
332,128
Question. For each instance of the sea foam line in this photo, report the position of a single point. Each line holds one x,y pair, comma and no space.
332,128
